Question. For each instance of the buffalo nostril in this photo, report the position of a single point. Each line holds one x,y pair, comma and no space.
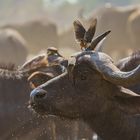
37,94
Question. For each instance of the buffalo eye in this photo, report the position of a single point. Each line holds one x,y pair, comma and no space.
83,75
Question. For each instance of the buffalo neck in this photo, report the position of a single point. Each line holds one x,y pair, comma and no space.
114,124
113,127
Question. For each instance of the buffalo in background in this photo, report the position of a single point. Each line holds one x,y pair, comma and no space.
133,28
13,47
39,33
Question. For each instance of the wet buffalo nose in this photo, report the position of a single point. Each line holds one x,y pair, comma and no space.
37,94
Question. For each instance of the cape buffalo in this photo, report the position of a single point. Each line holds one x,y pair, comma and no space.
92,89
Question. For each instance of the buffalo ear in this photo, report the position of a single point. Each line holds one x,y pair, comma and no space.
130,104
38,78
34,62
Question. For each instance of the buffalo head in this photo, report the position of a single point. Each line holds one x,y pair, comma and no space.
91,80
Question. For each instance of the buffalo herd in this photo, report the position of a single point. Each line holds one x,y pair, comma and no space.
93,95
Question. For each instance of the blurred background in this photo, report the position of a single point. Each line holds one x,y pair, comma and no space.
45,23
61,11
